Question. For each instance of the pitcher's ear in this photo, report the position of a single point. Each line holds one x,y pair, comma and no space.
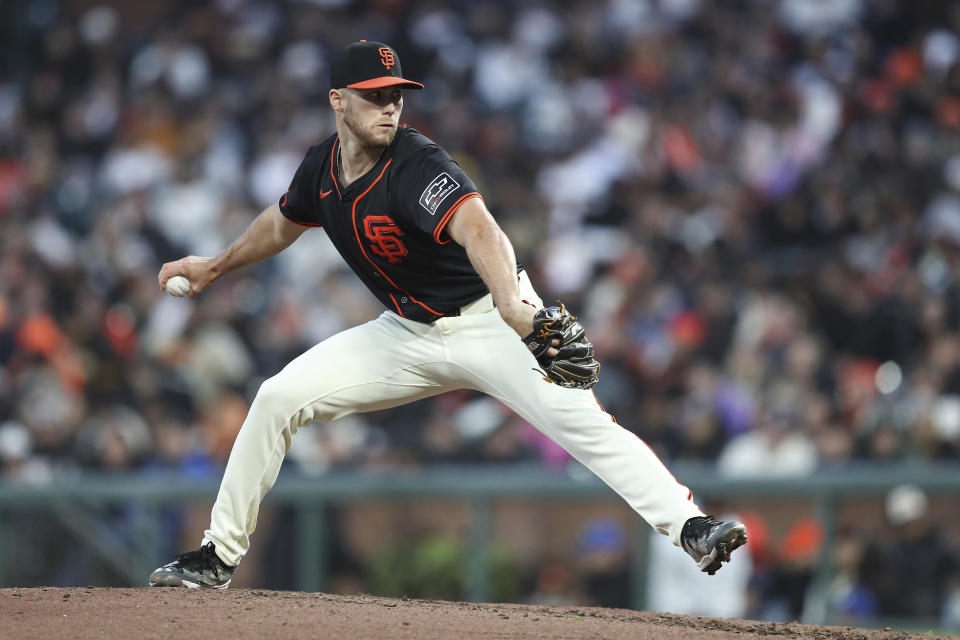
337,99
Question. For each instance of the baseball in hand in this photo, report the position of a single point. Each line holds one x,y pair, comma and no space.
178,286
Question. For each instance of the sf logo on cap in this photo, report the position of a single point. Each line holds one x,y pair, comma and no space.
386,57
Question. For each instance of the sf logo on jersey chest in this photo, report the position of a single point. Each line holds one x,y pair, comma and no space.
383,234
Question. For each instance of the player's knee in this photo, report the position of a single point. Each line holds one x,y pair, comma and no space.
284,400
275,396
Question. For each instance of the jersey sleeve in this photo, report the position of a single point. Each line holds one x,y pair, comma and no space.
431,186
300,203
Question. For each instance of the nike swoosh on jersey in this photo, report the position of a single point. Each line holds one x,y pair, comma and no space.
324,194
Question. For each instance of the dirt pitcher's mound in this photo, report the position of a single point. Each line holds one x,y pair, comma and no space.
241,614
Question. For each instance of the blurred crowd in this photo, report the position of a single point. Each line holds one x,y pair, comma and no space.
902,567
760,232
753,206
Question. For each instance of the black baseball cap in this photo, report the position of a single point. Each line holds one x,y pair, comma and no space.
368,65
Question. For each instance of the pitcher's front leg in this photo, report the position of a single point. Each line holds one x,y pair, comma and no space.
374,366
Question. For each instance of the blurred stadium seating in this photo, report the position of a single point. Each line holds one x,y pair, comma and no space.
754,207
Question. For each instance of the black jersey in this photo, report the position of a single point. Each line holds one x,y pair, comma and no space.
389,224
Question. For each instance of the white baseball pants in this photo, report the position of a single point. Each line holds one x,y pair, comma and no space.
390,361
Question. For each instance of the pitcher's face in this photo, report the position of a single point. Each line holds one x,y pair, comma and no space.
372,115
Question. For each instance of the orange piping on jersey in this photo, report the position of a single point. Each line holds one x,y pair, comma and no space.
449,214
333,175
396,305
436,313
353,215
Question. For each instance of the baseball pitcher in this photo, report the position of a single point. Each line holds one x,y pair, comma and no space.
459,314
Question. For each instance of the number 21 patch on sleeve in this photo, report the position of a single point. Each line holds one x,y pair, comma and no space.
438,189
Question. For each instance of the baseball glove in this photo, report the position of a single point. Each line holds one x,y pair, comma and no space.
574,366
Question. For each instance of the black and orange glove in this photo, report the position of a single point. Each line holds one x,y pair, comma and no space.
574,366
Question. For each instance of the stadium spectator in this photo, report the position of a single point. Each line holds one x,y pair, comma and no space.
915,555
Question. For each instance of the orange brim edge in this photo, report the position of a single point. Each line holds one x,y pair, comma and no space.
385,81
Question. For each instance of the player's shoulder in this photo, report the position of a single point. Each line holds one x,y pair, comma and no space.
410,143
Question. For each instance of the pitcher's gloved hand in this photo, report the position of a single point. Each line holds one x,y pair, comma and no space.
573,366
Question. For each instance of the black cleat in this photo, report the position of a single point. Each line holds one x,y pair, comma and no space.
194,570
710,542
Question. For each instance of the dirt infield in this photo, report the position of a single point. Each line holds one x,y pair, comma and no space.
242,614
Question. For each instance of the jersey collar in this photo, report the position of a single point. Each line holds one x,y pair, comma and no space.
371,173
